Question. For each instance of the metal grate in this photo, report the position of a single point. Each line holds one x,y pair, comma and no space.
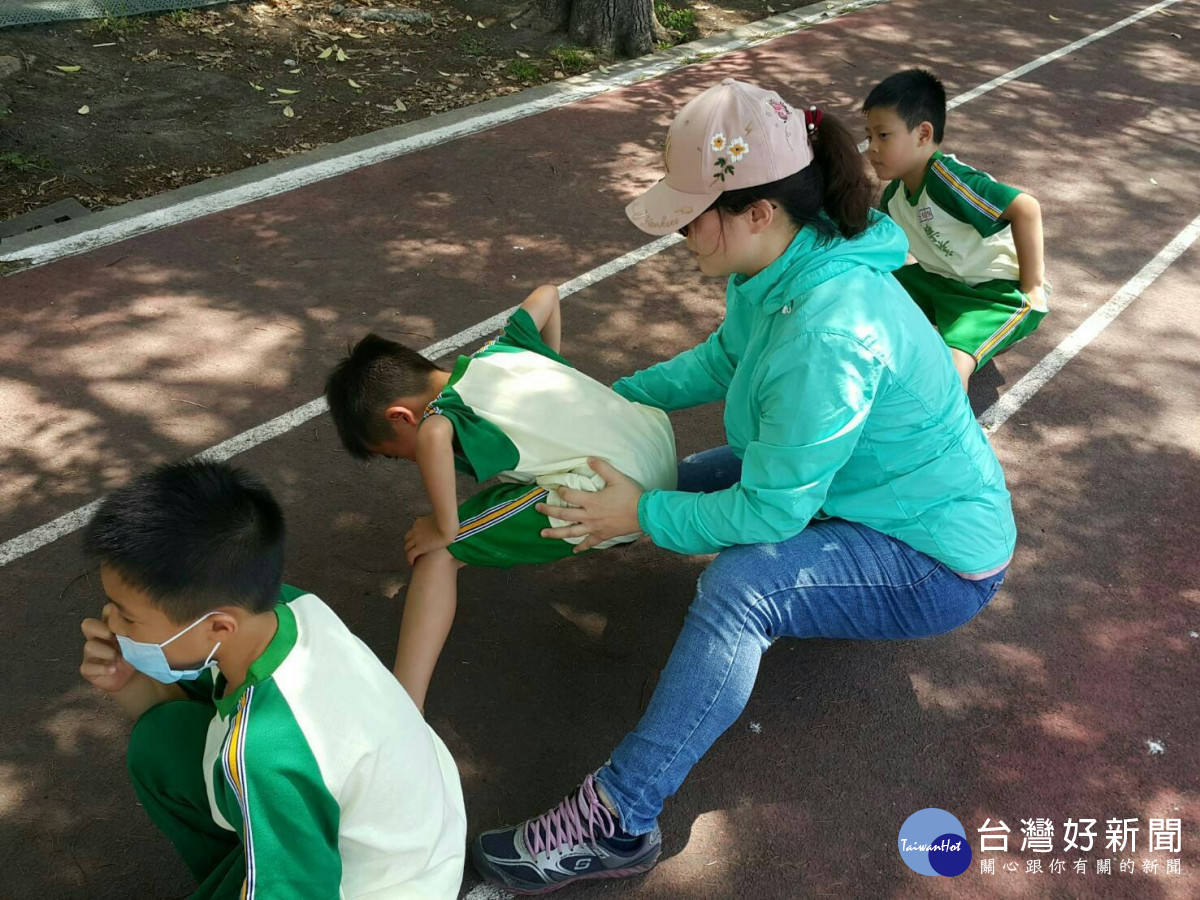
54,214
33,12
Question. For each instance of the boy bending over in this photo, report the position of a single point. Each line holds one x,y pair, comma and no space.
515,410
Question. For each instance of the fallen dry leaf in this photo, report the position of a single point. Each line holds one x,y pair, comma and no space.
285,91
67,68
353,83
522,55
257,87
326,53
400,107
84,110
289,112
1053,18
342,56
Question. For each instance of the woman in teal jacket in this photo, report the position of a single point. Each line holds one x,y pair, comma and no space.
857,497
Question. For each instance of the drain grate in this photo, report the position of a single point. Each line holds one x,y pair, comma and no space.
54,214
32,12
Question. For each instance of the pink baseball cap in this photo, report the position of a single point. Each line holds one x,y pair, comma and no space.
734,135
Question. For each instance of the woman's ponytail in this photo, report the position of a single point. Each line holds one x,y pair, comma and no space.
832,195
846,191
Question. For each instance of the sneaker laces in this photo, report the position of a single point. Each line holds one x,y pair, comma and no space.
571,822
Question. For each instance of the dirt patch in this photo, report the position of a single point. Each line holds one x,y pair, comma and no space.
116,109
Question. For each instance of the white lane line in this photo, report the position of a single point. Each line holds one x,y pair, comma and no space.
1057,54
303,174
1050,57
26,543
1035,379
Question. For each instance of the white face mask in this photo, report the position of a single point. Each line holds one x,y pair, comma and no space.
149,659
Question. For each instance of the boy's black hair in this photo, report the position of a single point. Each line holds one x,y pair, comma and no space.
193,535
917,95
360,387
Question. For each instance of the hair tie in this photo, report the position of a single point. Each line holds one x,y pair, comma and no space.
812,119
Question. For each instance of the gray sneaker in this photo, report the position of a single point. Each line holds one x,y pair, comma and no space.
577,840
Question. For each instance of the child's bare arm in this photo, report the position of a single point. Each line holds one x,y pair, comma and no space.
1025,216
435,459
543,307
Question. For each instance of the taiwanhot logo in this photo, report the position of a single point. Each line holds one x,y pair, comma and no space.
933,842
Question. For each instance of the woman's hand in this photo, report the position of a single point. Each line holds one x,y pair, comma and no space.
600,515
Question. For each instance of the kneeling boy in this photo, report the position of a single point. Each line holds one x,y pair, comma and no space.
271,746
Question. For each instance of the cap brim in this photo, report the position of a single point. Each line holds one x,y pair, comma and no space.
662,209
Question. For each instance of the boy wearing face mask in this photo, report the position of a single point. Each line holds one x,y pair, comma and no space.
271,746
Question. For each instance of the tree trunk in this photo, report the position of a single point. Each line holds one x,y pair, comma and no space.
624,27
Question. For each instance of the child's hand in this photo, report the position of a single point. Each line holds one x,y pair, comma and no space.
424,537
102,663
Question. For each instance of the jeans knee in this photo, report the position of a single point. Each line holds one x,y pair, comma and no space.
723,586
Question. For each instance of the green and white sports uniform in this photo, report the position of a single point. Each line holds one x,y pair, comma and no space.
316,778
966,278
524,414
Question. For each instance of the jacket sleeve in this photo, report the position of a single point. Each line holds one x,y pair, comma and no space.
694,377
812,409
289,819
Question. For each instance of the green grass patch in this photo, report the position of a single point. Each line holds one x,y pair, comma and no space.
115,24
182,18
678,19
523,70
13,161
473,46
572,60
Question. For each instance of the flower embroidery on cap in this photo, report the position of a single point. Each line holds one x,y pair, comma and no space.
781,109
736,149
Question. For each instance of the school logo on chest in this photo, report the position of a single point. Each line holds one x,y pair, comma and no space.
925,214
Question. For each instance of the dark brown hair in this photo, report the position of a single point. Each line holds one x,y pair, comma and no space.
832,195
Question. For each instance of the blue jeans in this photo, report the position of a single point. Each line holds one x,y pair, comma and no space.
836,579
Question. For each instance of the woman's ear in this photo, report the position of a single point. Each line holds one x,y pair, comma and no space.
762,214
